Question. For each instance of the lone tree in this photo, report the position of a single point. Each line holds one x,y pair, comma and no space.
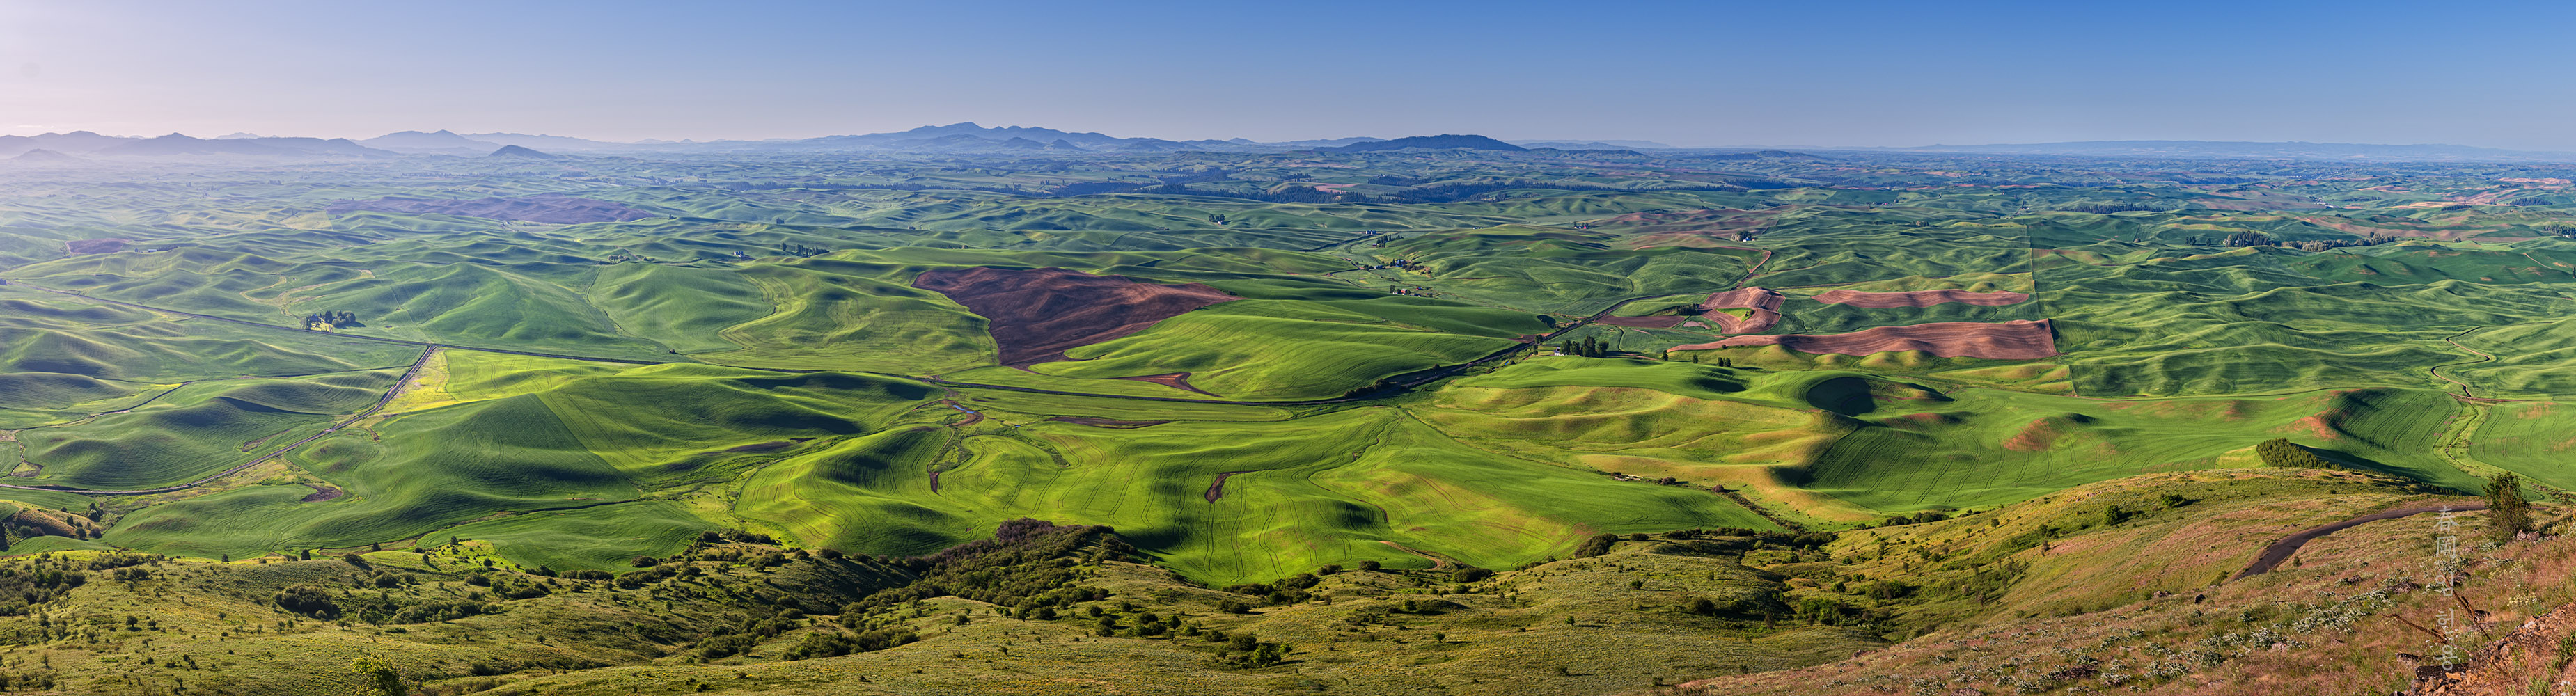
382,677
2284,453
2507,513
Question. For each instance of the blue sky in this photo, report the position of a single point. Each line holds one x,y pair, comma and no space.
1695,73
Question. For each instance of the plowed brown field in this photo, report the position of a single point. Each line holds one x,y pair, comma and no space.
1918,298
1036,315
2011,340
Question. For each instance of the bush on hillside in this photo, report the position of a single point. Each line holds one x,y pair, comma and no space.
838,644
1596,546
2286,454
309,601
2507,513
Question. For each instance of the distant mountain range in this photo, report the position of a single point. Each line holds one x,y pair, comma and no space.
970,138
434,143
960,138
1433,142
90,144
2209,149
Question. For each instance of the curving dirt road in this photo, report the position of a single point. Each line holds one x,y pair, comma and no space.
2280,550
2483,357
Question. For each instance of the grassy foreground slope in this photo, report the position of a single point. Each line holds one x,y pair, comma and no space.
2046,594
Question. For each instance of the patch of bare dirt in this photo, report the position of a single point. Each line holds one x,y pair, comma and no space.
2011,340
1764,302
1176,380
1918,298
322,492
1217,490
1036,315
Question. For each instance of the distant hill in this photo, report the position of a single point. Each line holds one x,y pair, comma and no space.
42,156
550,143
1593,144
2207,149
176,145
947,137
1436,142
1764,155
516,152
1335,142
432,143
72,142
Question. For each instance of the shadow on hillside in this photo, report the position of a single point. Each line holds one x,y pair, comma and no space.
2360,463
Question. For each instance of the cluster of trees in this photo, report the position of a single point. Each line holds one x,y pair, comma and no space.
2283,453
1251,651
1028,565
748,631
2104,207
32,523
799,250
1589,347
25,586
838,644
2255,239
1288,590
318,320
308,600
1916,518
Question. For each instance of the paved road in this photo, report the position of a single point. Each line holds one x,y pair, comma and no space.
2280,550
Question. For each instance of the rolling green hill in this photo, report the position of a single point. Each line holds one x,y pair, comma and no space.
665,452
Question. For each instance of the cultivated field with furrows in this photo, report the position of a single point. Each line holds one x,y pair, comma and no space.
1457,422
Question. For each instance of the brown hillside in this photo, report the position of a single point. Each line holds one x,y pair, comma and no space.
1037,315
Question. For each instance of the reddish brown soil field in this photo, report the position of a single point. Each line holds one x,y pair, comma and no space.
95,246
2036,436
1037,315
322,492
1918,298
2011,340
546,208
1104,422
1764,303
44,525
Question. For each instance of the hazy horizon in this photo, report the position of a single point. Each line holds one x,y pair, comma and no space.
1871,75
